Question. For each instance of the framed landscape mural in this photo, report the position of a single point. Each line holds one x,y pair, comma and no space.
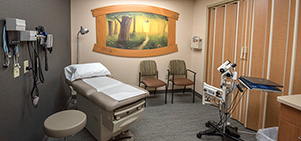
135,30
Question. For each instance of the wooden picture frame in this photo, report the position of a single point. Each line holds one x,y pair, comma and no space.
100,45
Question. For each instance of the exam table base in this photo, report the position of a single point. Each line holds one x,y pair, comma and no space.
101,123
125,136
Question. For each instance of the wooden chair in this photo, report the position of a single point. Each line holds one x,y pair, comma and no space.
177,68
148,76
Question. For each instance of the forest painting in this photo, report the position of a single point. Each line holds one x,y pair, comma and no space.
136,30
133,30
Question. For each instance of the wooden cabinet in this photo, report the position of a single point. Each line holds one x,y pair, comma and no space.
289,124
288,131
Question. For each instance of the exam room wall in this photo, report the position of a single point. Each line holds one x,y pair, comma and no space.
199,29
19,121
124,68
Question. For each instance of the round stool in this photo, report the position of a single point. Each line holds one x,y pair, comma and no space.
65,123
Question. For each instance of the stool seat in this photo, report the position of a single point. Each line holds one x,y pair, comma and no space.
65,123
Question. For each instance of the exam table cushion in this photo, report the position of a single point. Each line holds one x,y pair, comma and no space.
101,99
81,87
110,104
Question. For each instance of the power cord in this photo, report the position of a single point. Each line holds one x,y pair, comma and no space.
46,59
231,109
231,112
234,101
37,73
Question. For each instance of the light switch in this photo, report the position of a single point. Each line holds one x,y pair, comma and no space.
16,72
25,66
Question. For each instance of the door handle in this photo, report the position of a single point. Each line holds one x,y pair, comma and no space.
243,53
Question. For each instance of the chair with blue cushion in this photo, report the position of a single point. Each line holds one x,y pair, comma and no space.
177,69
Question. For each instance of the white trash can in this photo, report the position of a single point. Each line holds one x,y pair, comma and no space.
267,134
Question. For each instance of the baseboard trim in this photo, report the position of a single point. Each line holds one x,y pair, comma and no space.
176,90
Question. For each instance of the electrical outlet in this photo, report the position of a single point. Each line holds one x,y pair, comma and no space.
16,72
25,66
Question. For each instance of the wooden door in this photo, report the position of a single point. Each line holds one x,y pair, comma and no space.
278,61
257,61
266,28
239,57
296,89
218,46
210,44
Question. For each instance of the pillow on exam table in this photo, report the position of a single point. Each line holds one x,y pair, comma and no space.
80,71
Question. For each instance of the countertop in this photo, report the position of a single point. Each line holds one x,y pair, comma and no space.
292,101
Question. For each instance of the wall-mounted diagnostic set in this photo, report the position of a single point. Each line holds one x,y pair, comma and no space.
14,32
11,38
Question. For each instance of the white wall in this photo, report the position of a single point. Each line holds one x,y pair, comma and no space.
192,21
123,68
199,28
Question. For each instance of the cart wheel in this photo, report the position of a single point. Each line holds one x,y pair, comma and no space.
199,135
207,124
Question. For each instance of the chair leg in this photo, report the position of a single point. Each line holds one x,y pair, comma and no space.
155,90
184,89
166,87
193,99
145,102
139,79
172,93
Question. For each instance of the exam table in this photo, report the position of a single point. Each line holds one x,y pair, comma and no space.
107,117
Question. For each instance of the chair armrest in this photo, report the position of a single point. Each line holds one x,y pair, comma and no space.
169,73
191,71
194,73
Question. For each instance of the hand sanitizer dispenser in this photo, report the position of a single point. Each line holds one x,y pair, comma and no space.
196,42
